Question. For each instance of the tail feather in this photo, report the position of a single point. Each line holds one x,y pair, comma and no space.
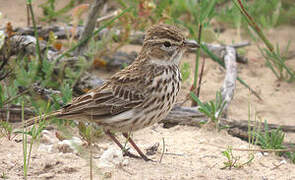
38,119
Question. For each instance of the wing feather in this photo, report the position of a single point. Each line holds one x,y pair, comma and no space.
115,97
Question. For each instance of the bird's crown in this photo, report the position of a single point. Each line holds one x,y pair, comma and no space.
164,32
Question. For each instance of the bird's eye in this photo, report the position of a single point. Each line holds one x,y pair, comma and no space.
167,44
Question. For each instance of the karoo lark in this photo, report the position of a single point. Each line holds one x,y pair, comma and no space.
139,95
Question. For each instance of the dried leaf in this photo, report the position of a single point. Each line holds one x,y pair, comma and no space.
9,30
57,45
98,63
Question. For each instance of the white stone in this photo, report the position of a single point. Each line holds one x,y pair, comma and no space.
46,148
283,161
111,157
259,155
67,146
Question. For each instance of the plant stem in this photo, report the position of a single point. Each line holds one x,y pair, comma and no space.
28,16
24,140
30,152
29,4
198,52
252,23
200,78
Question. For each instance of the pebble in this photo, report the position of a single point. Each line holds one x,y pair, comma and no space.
111,158
48,137
46,148
69,146
49,175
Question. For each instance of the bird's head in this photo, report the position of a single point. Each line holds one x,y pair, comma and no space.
165,44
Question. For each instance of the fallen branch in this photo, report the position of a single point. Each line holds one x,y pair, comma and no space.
26,45
89,27
135,37
229,84
12,113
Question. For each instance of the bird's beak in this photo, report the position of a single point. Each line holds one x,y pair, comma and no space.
191,44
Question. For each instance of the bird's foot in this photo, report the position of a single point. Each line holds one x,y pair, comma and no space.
129,154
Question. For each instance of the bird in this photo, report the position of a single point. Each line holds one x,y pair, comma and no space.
139,95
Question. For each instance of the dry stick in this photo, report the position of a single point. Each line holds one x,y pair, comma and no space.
163,152
135,38
28,16
216,59
108,16
254,150
255,26
252,23
43,92
17,96
229,84
200,78
90,25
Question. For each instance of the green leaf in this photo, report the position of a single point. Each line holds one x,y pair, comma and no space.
196,99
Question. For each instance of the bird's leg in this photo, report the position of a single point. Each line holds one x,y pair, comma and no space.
125,151
143,156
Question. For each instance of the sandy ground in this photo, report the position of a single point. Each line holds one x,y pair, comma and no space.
195,153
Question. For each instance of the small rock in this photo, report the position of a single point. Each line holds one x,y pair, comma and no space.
107,175
111,157
49,175
46,148
153,149
259,155
68,146
283,162
47,137
125,162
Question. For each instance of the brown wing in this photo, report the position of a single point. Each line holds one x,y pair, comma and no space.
123,92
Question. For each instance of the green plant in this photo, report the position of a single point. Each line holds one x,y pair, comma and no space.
267,13
234,161
277,63
212,109
3,176
291,156
6,130
253,130
274,139
272,57
271,139
87,132
34,132
38,51
51,14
